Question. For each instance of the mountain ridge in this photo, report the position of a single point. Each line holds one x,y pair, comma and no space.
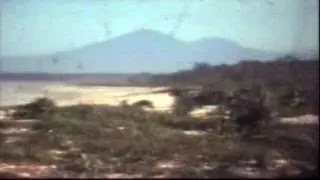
139,51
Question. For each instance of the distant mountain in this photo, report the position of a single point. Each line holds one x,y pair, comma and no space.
139,51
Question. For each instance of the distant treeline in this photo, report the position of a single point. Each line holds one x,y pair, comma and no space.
285,72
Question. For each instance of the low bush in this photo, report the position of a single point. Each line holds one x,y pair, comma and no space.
34,109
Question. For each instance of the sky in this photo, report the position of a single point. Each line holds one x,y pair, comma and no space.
36,27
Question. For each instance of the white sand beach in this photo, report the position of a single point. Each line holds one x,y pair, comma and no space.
14,93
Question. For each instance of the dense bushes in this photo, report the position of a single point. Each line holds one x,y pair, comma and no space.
35,109
250,108
292,84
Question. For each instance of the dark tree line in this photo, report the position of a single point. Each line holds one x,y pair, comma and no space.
289,82
281,72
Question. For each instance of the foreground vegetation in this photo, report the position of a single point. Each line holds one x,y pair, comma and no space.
91,140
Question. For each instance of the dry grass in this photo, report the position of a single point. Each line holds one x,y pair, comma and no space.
106,139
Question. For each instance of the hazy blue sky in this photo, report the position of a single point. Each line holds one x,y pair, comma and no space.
31,27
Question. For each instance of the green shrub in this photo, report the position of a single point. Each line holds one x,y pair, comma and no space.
143,103
35,109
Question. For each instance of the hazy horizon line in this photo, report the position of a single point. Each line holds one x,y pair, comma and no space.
153,31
